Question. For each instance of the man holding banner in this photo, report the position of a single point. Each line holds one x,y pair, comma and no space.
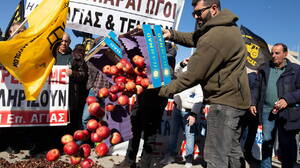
218,64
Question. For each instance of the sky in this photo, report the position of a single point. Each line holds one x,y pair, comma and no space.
273,20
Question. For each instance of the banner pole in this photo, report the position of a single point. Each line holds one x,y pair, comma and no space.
15,32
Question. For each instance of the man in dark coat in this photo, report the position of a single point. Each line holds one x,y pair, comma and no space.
276,97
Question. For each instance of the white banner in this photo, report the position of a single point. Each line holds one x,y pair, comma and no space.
102,16
51,107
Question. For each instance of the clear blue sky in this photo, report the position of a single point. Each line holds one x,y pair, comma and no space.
273,20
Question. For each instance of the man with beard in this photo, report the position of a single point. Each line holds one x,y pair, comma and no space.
218,64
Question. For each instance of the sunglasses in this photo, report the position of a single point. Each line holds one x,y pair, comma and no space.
200,11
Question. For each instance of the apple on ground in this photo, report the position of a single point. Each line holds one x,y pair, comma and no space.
85,150
103,132
91,99
114,70
52,155
95,137
106,69
114,89
123,100
101,149
121,86
139,89
86,134
103,92
109,107
120,79
115,138
113,97
92,125
75,160
79,135
130,86
86,163
66,139
145,82
94,109
71,148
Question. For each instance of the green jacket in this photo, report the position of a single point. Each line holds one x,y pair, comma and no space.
218,63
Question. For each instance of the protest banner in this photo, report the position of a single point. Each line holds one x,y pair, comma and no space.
101,16
50,109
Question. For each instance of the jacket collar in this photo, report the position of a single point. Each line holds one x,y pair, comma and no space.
224,18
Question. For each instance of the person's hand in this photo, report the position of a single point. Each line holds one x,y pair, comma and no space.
191,120
69,72
166,34
279,105
253,110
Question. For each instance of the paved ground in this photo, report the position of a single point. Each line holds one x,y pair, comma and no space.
106,162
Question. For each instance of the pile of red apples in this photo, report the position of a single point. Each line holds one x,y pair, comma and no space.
129,79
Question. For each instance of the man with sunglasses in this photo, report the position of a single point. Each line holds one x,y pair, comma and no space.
218,64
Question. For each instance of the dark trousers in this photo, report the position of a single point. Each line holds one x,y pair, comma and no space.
145,117
287,145
251,122
222,147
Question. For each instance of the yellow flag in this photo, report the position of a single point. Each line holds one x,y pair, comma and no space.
29,55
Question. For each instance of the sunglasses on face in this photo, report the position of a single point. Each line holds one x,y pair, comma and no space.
200,11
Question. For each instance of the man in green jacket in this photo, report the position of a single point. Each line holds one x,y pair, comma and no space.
218,64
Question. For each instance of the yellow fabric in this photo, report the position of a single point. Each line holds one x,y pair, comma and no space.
28,56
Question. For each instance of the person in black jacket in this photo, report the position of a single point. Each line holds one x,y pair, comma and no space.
78,75
276,97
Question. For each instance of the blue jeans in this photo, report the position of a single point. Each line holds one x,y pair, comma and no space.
222,147
269,133
86,114
286,139
180,121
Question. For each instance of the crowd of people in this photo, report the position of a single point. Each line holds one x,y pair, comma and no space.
215,76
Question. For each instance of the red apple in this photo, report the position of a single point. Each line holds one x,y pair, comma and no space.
103,132
75,160
145,82
113,97
52,155
101,149
106,69
66,139
138,80
120,66
94,109
92,125
86,163
86,134
138,71
95,137
121,86
123,100
71,148
79,135
134,59
85,150
127,67
139,89
120,79
114,89
114,70
103,92
109,107
140,62
123,61
91,99
130,86
115,138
